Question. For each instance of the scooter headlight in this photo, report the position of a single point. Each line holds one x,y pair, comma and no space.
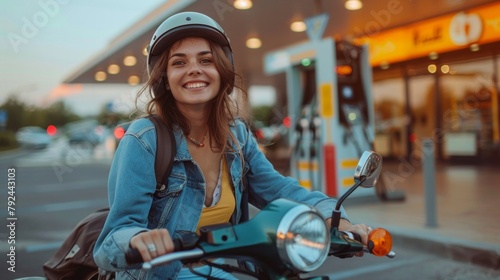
303,239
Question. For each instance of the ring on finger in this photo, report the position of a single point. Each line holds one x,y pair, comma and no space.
151,247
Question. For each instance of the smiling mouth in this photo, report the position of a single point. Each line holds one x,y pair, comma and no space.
195,85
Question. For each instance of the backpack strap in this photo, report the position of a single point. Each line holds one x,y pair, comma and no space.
165,152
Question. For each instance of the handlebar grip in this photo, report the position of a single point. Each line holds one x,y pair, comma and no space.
133,256
184,242
353,235
357,237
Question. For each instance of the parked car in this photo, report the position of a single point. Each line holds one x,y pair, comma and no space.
33,137
85,132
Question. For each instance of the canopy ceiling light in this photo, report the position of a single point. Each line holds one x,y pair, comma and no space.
432,68
100,76
113,69
133,80
445,69
129,60
474,47
242,4
298,26
253,43
433,55
353,5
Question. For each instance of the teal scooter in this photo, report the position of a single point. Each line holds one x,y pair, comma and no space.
284,240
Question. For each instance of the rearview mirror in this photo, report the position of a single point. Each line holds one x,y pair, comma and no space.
368,169
365,175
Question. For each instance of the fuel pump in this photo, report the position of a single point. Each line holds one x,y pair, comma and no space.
299,151
305,149
354,104
315,150
331,108
352,98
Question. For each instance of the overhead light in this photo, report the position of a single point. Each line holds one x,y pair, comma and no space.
433,55
254,43
445,69
145,51
298,26
113,69
432,68
474,47
100,76
353,5
129,60
242,4
133,80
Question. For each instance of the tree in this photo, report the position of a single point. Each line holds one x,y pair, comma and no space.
15,112
20,114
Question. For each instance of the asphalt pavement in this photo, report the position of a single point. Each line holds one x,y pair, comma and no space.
463,227
462,224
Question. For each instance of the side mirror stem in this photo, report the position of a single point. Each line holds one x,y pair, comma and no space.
335,221
348,192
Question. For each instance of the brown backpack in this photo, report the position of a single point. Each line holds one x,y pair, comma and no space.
74,259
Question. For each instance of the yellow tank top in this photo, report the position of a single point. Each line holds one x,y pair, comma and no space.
222,211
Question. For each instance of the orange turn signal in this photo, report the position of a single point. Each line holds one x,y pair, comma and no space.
379,242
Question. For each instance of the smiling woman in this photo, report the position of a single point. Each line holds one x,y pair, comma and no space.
191,73
217,169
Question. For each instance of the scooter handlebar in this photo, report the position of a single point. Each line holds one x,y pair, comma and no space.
133,256
379,242
182,243
352,235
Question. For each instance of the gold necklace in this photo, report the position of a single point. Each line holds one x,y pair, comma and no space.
197,143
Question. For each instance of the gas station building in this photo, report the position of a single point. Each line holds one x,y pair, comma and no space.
384,77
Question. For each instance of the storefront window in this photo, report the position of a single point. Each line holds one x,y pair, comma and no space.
390,120
465,123
422,101
467,116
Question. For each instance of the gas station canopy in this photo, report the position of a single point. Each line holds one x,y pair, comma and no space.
123,61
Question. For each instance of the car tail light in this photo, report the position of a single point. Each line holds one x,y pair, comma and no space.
119,132
51,130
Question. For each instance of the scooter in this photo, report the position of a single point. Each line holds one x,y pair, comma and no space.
284,240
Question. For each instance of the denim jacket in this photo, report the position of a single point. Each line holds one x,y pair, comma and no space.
136,207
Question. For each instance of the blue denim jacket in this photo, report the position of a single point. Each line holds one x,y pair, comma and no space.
136,207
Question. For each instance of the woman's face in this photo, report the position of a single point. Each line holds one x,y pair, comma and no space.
191,73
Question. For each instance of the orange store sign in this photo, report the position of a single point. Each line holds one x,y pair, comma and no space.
451,32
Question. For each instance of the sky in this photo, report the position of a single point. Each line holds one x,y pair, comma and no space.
43,41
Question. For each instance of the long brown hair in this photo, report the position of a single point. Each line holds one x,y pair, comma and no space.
224,109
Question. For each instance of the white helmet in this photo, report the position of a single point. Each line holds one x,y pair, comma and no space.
182,25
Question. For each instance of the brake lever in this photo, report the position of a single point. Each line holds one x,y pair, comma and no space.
390,255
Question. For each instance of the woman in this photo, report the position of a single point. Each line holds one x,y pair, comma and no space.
191,79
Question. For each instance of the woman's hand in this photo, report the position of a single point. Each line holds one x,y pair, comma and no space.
152,244
361,229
